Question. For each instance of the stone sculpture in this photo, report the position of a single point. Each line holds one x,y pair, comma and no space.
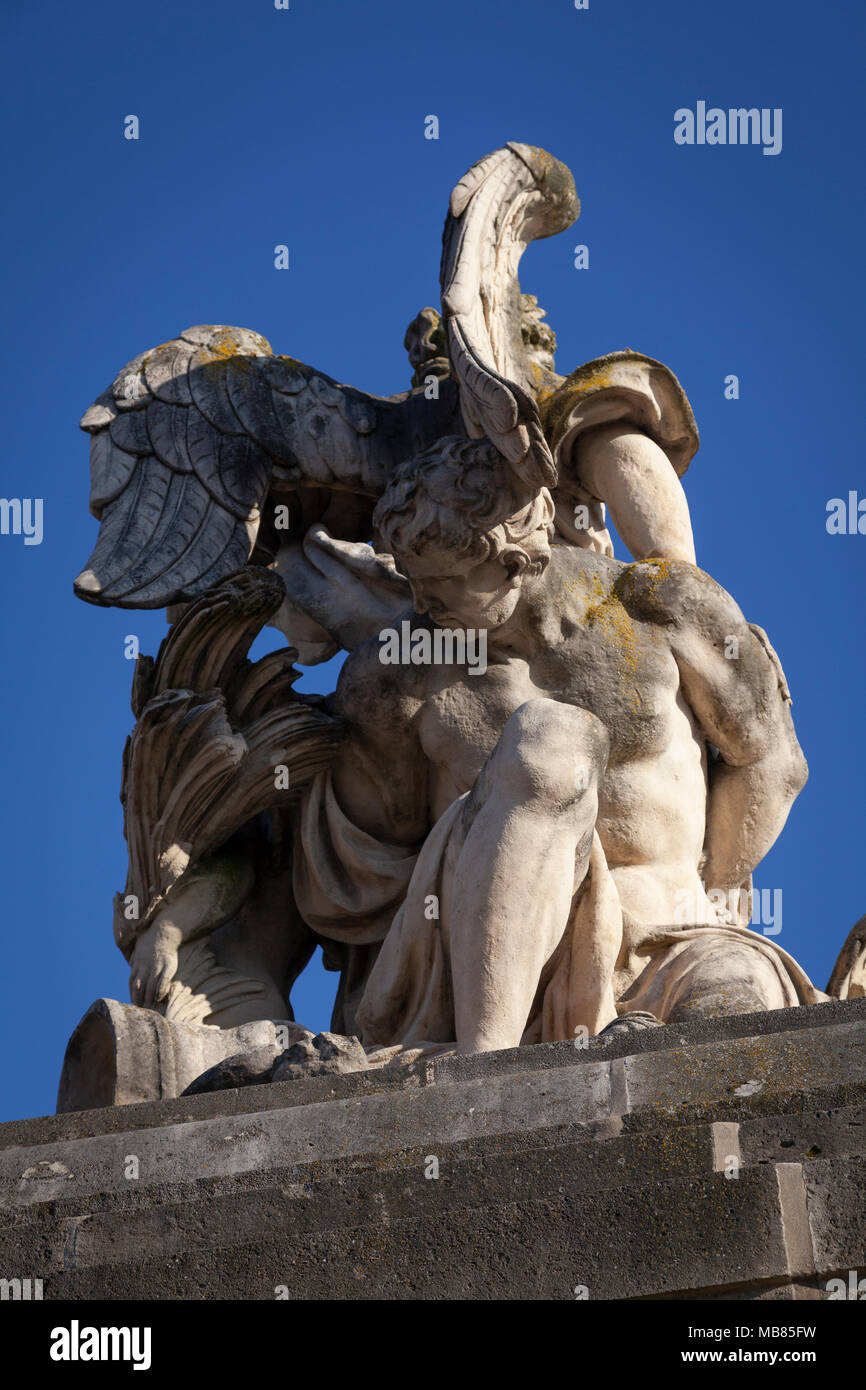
553,839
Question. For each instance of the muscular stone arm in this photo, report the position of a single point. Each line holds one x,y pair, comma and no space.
732,687
627,470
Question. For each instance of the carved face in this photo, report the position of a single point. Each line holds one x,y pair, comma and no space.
466,593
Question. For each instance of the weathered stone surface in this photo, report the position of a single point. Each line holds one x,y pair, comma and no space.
252,1068
326,1054
836,1194
558,1167
121,1055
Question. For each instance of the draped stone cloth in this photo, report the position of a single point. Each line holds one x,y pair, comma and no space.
676,954
355,889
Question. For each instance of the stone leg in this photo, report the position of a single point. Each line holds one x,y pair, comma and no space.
709,978
527,829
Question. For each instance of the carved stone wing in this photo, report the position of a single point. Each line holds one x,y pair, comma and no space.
509,198
191,436
211,729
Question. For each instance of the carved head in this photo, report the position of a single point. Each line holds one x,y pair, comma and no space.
465,532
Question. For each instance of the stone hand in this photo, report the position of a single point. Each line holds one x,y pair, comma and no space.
153,964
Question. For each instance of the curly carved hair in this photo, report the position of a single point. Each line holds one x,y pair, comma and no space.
459,496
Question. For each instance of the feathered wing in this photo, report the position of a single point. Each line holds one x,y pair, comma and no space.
190,438
212,727
187,441
176,479
511,197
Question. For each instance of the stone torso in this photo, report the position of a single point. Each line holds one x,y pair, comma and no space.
427,730
597,657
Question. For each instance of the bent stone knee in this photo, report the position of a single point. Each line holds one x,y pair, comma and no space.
735,980
551,751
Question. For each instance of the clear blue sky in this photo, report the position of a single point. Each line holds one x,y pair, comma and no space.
306,127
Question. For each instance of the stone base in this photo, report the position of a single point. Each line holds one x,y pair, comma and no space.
122,1055
720,1159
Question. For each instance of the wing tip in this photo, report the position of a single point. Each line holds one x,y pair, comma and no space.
88,587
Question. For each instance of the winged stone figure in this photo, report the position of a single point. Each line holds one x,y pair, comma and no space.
212,458
236,487
199,441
